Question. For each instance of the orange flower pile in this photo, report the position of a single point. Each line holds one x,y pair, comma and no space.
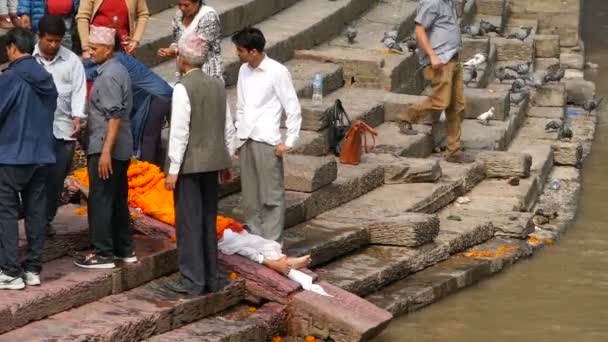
233,276
488,254
534,241
81,211
252,309
148,193
310,338
277,339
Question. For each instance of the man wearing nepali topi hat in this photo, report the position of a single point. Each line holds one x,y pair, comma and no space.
110,150
195,157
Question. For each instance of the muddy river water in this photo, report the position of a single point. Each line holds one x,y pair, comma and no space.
560,294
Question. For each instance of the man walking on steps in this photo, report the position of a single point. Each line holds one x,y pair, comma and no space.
439,42
70,80
28,101
264,92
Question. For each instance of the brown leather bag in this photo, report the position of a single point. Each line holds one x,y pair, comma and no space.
355,141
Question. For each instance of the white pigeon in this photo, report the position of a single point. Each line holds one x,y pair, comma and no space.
485,118
442,117
477,60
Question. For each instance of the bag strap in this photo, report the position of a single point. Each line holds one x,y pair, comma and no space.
360,125
339,115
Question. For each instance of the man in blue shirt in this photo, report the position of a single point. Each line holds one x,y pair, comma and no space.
27,107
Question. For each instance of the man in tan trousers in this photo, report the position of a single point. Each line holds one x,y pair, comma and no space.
439,41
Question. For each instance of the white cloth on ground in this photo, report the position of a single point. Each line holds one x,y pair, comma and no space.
251,246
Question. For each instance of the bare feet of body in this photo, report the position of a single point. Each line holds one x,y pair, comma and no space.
285,264
300,262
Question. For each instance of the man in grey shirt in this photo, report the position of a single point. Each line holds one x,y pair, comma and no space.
439,42
109,152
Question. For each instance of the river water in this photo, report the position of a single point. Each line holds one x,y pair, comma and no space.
560,294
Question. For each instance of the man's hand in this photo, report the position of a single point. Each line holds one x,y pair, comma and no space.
281,150
75,127
225,176
26,22
170,182
436,63
104,168
167,52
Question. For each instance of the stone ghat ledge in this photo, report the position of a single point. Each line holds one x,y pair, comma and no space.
131,316
461,271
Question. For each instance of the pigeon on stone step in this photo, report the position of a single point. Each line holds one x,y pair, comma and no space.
487,27
522,68
592,104
411,43
554,73
539,220
390,41
519,97
565,133
534,80
476,61
473,30
518,85
485,118
553,125
521,33
469,74
351,34
550,215
503,73
513,181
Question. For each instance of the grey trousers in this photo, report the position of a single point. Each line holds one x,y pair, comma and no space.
64,150
196,201
263,189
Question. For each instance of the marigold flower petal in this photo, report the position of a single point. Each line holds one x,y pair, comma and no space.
310,338
252,309
233,276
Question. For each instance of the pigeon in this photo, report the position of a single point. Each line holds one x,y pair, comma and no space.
470,74
518,85
505,74
535,81
540,220
487,27
513,181
351,34
473,30
565,133
477,60
518,98
592,104
411,43
521,33
390,41
554,73
522,69
485,118
552,215
552,125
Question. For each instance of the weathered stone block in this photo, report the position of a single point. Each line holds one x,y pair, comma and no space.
572,60
409,230
547,46
550,95
572,74
567,153
481,100
547,112
544,63
406,170
494,8
513,49
312,143
344,317
513,225
472,46
308,173
391,140
506,164
578,91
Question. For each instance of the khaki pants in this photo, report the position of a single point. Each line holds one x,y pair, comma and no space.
448,95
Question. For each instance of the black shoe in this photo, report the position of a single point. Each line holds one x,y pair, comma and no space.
220,283
130,259
50,230
94,261
180,286
406,128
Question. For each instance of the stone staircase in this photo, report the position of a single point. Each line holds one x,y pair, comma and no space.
384,230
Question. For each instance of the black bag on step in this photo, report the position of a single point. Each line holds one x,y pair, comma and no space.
339,123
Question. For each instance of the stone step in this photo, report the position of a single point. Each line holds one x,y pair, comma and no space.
65,286
308,174
234,15
352,182
131,316
506,164
237,324
552,94
522,197
457,236
546,46
514,49
391,141
499,21
495,8
493,137
436,282
367,63
325,239
550,113
399,170
300,26
481,100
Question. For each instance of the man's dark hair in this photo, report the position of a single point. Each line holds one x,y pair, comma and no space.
22,38
52,24
250,38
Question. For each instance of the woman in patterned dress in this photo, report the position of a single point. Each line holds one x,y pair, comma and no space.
195,15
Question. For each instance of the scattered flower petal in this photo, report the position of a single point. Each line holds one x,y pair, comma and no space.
233,276
252,309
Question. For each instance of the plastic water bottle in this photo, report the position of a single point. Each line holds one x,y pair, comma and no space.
555,184
317,90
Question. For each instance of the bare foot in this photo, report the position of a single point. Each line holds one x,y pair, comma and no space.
300,262
280,265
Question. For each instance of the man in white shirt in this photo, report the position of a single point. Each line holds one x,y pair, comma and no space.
264,92
70,81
